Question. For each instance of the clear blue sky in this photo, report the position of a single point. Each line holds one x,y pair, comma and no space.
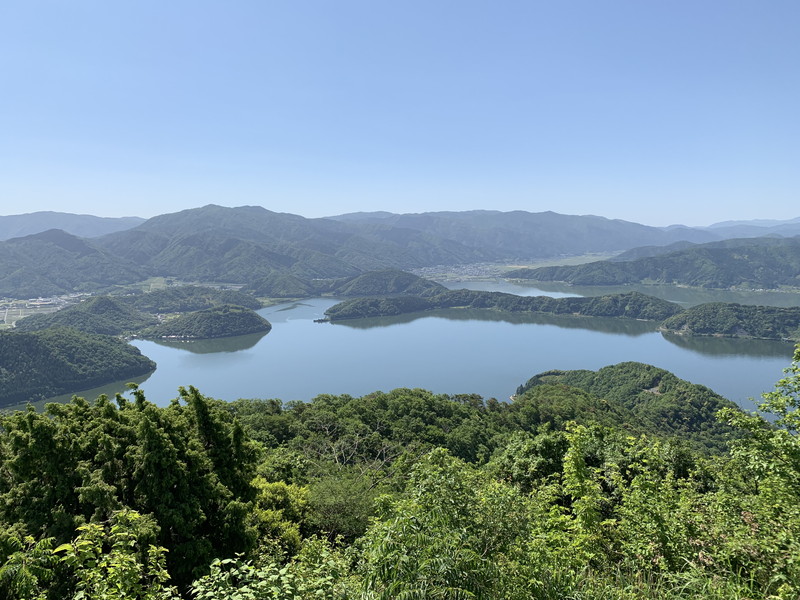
657,112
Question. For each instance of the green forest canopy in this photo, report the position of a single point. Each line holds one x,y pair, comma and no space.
403,494
41,364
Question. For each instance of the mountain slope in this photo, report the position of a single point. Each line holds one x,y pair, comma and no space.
100,314
246,243
56,262
753,263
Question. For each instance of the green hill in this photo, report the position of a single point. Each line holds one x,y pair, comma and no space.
54,262
100,314
283,285
387,282
737,320
384,282
631,305
750,263
638,395
115,315
249,243
35,365
188,298
219,321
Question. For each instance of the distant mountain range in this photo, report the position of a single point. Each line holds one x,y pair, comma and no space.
264,249
523,220
89,226
519,234
749,262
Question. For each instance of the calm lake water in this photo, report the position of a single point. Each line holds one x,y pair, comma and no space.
451,352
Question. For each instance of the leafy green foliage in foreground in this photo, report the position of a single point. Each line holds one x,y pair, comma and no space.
45,363
188,467
404,494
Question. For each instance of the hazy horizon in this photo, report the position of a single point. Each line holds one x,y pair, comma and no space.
764,222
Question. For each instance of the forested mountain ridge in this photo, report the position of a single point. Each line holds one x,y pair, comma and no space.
632,305
186,298
521,234
252,245
242,244
756,228
215,244
766,263
54,262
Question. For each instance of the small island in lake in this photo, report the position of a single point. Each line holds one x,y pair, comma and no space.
218,321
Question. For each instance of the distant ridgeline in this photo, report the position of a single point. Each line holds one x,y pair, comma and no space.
285,255
762,263
35,365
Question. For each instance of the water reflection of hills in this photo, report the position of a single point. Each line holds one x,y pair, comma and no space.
226,344
109,389
628,327
721,346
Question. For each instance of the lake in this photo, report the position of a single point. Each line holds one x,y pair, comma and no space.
455,351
